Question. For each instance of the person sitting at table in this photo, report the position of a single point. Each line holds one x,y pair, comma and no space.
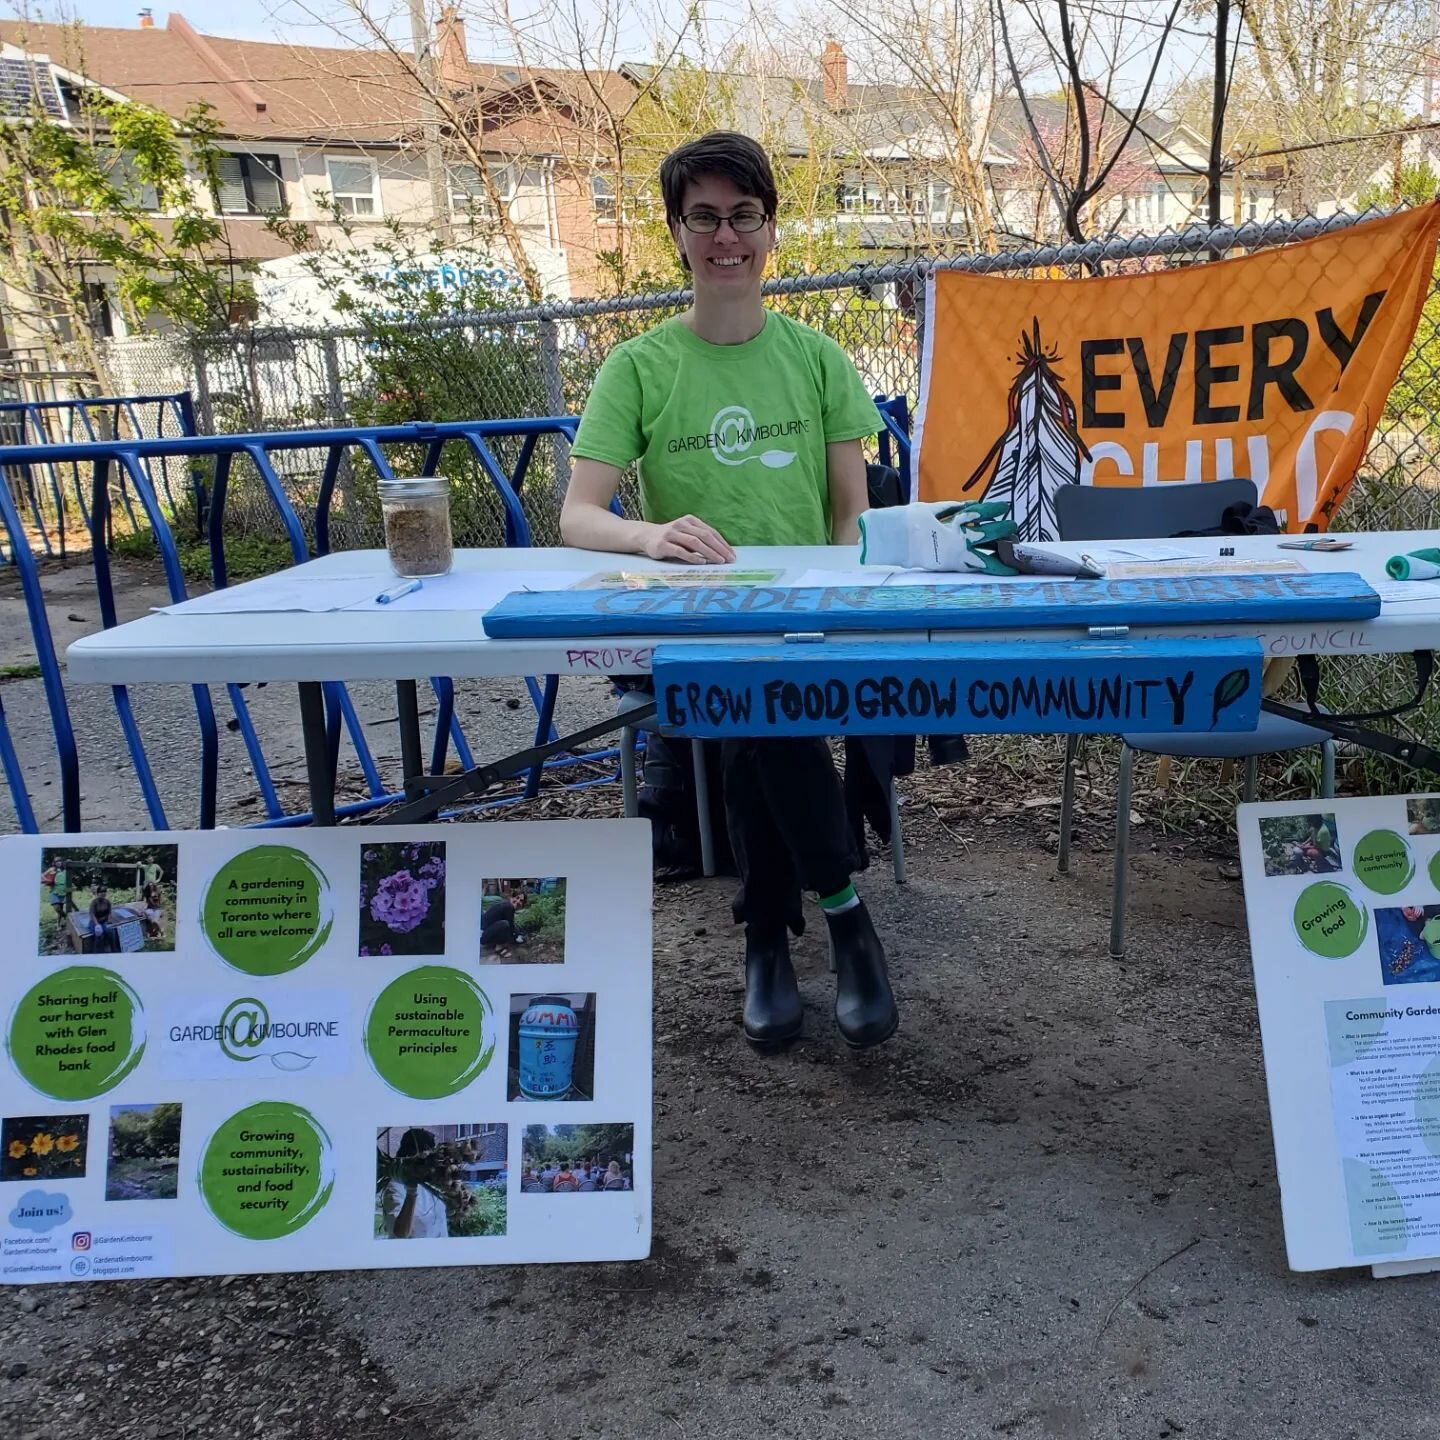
104,933
695,400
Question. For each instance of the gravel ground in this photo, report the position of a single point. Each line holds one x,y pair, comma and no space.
1047,1208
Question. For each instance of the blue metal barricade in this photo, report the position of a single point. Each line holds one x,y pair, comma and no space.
111,467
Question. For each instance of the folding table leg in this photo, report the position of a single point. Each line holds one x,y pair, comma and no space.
319,768
411,755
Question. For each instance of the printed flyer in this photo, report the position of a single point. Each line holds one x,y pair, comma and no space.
1343,899
240,1051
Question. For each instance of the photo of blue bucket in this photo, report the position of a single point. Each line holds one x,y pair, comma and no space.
549,1031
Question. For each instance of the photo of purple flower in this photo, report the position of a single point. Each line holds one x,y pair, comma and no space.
402,899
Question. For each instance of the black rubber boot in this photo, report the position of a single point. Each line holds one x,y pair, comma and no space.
864,1006
773,1014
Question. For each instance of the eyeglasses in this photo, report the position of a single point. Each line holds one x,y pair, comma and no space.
707,222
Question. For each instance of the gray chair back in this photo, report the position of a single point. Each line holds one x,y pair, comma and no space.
1146,512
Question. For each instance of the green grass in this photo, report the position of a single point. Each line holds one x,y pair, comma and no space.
21,670
246,558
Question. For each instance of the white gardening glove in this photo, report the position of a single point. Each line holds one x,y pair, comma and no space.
940,535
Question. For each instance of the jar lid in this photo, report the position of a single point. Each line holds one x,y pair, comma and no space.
415,487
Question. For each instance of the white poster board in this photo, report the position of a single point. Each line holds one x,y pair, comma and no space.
331,1040
1343,899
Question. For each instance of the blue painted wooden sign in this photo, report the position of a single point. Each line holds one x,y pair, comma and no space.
889,687
1004,605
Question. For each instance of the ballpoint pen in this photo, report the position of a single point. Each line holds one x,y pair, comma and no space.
408,588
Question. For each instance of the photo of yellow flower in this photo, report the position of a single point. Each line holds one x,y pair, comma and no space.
47,1147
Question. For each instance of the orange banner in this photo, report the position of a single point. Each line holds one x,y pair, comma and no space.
1275,366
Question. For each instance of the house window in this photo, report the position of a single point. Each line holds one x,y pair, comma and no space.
249,185
468,194
97,303
941,199
121,170
602,196
353,186
850,197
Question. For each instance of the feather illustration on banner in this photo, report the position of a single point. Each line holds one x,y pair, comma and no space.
1041,448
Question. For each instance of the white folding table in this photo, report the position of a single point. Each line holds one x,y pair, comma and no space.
398,644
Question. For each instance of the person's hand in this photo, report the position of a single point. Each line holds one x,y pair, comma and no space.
689,540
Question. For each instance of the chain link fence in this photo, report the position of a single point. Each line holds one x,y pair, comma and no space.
542,360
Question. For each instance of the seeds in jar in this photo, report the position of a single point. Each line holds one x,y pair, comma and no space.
418,539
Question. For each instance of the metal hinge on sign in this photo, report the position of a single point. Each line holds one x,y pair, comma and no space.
1109,632
805,637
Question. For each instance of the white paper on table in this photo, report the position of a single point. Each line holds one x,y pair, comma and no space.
1393,592
475,590
866,577
955,577
1141,550
280,593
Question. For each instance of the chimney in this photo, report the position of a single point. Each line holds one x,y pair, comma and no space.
835,75
147,20
454,62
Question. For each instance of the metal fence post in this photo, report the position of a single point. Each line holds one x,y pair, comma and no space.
335,408
204,410
555,403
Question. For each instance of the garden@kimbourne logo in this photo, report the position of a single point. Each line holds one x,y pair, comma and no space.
733,434
297,1031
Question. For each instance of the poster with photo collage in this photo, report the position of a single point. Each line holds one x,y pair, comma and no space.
239,1051
1343,903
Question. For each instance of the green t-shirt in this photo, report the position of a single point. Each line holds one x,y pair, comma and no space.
735,434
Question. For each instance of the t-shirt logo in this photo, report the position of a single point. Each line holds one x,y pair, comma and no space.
733,431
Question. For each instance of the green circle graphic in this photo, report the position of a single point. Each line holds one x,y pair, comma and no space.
430,1032
1383,862
1434,869
1330,921
77,1034
267,1171
268,910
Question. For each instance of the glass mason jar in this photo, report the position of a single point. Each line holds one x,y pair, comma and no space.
417,525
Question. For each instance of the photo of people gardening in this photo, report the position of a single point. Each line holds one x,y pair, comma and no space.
1409,939
107,899
144,1152
522,921
440,1181
577,1159
402,899
1300,845
43,1147
552,1047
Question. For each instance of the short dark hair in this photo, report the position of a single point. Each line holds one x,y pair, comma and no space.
722,152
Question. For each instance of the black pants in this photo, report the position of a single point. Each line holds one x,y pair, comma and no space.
786,815
497,925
